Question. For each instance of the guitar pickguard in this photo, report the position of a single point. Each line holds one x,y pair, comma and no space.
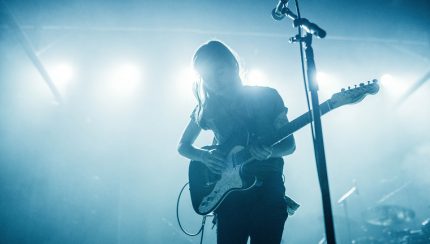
231,180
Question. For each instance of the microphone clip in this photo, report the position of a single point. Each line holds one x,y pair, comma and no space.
296,38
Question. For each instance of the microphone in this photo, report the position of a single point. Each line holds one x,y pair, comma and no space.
277,12
310,27
281,10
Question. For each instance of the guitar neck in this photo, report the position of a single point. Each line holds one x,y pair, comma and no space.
349,96
245,157
297,124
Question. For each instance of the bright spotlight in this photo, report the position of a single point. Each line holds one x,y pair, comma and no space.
188,77
327,83
255,77
322,77
386,79
61,74
184,82
124,80
393,85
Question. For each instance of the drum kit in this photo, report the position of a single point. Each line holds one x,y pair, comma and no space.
391,224
383,223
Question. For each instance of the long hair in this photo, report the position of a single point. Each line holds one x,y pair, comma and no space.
203,60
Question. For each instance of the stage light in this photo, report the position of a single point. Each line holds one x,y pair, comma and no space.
386,79
255,77
125,79
322,77
393,85
61,74
184,82
188,77
327,83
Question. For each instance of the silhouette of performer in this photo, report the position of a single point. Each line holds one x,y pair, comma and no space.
229,109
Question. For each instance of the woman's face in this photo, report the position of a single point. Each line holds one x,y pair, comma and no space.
218,78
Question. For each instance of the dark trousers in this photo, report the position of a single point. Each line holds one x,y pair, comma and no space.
259,214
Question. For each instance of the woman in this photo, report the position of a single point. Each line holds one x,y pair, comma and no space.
232,110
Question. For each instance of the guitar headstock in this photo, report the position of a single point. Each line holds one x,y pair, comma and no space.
355,94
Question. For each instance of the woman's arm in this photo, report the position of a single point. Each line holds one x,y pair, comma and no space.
285,147
185,147
211,158
288,145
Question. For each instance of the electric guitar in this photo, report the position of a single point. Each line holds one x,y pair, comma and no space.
208,190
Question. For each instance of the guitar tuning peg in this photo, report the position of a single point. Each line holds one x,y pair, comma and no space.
355,86
361,84
349,87
374,80
342,90
368,82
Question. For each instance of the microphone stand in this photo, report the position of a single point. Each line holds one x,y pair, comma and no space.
312,29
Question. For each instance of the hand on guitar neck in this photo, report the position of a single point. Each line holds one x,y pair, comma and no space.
260,151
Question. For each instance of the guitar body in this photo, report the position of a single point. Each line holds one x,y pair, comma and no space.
208,190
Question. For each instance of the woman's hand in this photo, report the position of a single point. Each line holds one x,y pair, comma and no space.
260,152
214,160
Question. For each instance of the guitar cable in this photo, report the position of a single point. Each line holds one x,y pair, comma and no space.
202,228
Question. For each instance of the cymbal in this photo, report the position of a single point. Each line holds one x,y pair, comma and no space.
425,226
368,240
388,215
